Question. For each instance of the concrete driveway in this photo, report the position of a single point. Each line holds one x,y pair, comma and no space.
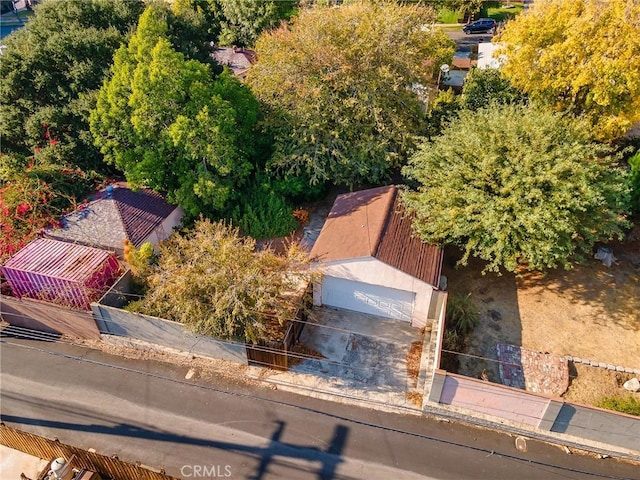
364,356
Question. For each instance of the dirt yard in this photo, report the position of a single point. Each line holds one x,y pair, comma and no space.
591,312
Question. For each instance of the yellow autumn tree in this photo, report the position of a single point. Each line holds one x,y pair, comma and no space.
579,56
335,85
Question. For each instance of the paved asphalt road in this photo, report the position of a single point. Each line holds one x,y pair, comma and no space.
465,42
148,412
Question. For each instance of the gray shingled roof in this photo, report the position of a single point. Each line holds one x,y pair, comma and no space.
107,221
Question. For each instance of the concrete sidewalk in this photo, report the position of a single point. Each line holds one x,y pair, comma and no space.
326,388
322,385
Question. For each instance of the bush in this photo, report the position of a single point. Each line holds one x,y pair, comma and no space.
34,194
451,342
262,212
462,314
634,163
629,405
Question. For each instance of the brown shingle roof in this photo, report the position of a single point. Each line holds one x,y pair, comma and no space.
141,212
354,225
372,223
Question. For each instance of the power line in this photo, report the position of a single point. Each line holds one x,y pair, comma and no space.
292,354
405,407
312,410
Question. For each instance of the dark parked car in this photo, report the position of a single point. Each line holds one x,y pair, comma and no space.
480,26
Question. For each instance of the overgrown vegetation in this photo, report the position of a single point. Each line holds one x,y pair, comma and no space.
461,318
519,187
334,85
35,193
263,212
634,164
214,281
629,405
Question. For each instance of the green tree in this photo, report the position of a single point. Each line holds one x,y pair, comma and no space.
468,8
50,70
634,165
167,124
442,110
486,86
34,193
580,56
242,21
214,281
517,187
335,83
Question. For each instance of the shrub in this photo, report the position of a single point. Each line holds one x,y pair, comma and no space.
451,342
634,163
629,405
263,213
34,194
462,314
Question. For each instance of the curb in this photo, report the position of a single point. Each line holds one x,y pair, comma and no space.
469,417
608,366
439,412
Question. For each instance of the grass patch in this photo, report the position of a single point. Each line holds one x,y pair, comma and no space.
447,16
629,405
500,13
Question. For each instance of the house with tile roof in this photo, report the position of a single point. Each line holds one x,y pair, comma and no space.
371,261
118,213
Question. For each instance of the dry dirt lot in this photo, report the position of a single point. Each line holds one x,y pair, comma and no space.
591,312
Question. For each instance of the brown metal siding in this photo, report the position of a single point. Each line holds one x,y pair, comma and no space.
400,248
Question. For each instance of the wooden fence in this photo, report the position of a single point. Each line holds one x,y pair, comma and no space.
277,354
82,459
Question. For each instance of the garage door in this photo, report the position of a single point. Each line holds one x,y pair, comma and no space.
367,298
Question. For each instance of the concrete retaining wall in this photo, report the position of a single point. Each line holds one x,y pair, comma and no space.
544,413
47,317
118,322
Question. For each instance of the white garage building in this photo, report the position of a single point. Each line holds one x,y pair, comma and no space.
370,260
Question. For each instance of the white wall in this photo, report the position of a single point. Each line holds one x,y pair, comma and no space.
373,271
169,223
158,331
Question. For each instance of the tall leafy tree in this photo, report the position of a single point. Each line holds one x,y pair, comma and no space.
581,56
335,82
214,281
50,70
468,8
242,21
165,121
517,187
483,86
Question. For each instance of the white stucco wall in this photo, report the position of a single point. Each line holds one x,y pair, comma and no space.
169,223
373,271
